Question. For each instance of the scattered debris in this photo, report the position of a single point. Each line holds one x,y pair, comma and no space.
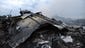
34,30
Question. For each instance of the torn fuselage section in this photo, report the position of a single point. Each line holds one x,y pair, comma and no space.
27,25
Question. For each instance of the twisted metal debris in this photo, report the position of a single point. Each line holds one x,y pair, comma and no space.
34,30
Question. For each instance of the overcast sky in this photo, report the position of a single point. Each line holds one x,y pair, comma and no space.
64,8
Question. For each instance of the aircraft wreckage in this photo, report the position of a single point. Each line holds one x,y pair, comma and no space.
34,30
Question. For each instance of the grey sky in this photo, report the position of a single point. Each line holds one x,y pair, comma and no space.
64,8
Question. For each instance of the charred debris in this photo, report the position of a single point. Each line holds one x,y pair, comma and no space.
34,30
